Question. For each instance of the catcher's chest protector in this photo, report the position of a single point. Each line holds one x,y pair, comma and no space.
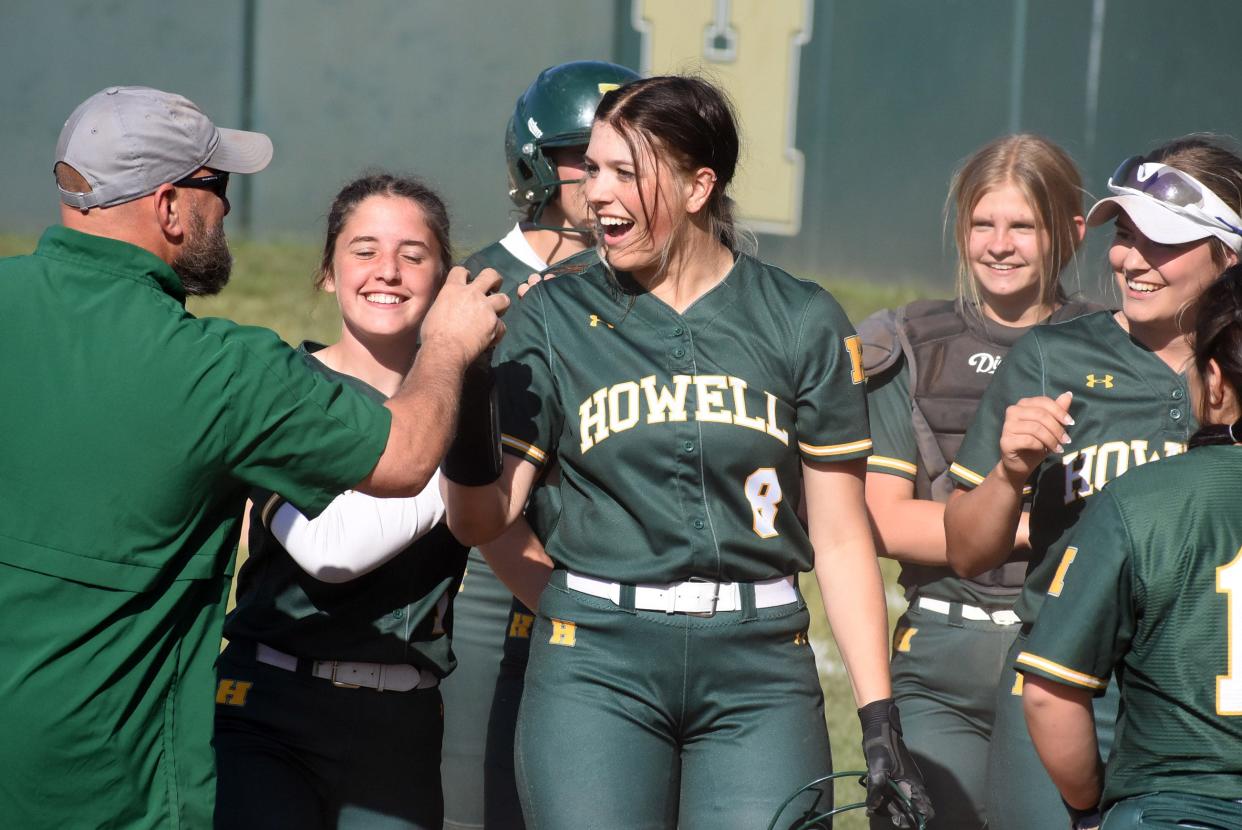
951,354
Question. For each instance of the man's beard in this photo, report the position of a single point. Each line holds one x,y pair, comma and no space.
204,262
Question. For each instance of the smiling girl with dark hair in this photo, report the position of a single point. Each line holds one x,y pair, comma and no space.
693,397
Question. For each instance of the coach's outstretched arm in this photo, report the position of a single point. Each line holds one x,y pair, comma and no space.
980,525
462,323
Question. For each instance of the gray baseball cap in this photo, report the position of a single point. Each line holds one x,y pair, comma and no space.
126,141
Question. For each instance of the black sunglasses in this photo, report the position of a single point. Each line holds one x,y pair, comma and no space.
217,183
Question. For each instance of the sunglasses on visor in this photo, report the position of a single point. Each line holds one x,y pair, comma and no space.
1179,191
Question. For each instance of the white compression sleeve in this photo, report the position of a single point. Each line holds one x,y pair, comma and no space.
356,533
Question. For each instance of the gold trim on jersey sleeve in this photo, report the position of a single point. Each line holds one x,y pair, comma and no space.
531,452
829,450
885,464
1070,676
968,474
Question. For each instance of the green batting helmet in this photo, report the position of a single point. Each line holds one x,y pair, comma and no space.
554,111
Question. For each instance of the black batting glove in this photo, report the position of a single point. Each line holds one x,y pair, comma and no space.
891,772
474,458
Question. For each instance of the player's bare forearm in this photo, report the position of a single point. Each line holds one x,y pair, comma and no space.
906,529
848,574
518,558
424,412
1062,725
478,515
981,525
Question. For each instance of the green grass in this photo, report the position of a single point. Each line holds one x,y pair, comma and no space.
272,286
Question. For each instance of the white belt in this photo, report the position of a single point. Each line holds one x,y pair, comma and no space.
969,612
691,597
383,677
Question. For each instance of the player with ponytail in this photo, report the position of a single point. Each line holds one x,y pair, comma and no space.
544,141
1151,598
692,397
1077,404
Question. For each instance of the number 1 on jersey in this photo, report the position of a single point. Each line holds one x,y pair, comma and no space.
1229,686
763,491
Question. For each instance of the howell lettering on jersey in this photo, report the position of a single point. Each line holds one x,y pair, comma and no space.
721,399
1088,469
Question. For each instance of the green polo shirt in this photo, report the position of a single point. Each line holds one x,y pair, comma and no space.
130,433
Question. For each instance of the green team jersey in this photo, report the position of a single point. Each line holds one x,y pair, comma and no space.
1149,587
397,613
1129,408
513,258
896,453
680,436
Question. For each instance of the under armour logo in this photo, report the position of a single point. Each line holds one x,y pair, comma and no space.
984,363
1093,381
595,321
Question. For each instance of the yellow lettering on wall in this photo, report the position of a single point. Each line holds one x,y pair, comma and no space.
752,48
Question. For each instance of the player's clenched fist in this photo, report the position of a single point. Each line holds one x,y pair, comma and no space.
466,314
1033,428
